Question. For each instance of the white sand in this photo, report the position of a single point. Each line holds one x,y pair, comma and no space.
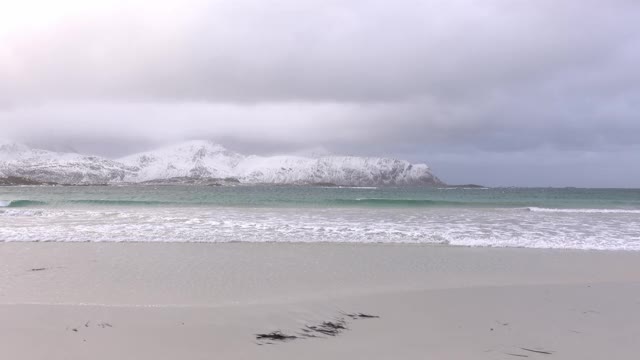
206,301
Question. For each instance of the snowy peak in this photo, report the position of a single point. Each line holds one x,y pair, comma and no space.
338,170
189,152
197,160
14,151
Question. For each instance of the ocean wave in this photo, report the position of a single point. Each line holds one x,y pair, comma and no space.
444,226
34,203
585,211
121,202
21,203
398,202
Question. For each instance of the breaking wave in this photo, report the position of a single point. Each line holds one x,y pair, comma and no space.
33,203
585,211
445,226
21,203
365,202
122,202
399,202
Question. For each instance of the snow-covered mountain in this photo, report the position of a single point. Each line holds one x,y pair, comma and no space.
191,159
202,160
18,160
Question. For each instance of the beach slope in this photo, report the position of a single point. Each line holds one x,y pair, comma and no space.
315,301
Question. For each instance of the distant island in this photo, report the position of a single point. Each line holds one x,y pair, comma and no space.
205,163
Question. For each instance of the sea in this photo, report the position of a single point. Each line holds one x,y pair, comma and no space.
554,218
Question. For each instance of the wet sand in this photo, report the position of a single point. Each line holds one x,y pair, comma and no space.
204,301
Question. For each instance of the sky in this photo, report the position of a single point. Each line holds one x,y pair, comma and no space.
494,92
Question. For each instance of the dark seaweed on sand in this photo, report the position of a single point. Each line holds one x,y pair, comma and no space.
324,329
538,351
276,336
329,328
356,316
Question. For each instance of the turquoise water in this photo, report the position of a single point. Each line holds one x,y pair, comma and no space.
298,196
598,219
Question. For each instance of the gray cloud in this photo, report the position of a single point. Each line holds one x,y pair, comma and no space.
496,82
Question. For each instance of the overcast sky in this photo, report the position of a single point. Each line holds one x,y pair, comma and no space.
497,92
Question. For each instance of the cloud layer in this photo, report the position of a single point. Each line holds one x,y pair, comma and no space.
487,86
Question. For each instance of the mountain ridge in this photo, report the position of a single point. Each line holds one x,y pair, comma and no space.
199,161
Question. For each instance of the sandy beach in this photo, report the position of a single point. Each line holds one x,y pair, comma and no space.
319,180
208,301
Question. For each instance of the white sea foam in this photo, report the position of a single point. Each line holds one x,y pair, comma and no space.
585,211
5,203
461,227
22,213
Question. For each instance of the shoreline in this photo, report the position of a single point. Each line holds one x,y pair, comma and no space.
206,243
